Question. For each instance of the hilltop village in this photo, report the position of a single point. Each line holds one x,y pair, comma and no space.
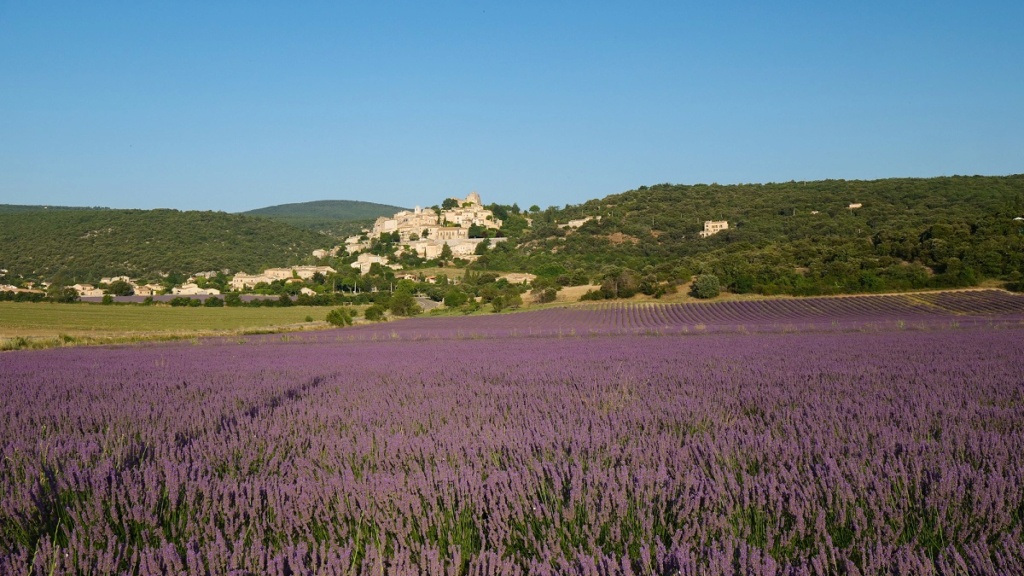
430,234
427,233
459,230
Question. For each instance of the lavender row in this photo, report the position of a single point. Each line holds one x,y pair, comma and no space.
919,311
975,301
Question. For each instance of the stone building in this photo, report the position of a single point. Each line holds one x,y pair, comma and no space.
241,281
712,227
427,232
365,261
469,212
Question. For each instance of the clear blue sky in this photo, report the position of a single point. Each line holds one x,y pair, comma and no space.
238,105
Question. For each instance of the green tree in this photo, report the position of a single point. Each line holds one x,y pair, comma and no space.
446,253
339,317
619,282
62,294
512,299
544,295
403,304
455,298
497,303
705,286
374,313
120,288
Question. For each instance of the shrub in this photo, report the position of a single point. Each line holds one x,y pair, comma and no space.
512,299
403,304
62,294
120,288
374,313
339,317
546,295
213,302
16,343
497,304
705,286
455,298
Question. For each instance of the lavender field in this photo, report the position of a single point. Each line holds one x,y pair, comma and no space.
873,435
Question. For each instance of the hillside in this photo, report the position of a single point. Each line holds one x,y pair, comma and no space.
795,237
85,244
335,217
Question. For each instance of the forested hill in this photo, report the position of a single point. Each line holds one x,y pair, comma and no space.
795,237
85,244
336,217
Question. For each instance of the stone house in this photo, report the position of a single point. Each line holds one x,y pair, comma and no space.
87,290
241,281
470,212
191,289
365,261
307,272
712,227
146,289
113,279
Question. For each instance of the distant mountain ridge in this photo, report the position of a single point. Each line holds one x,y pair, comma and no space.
336,209
22,208
335,217
344,210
